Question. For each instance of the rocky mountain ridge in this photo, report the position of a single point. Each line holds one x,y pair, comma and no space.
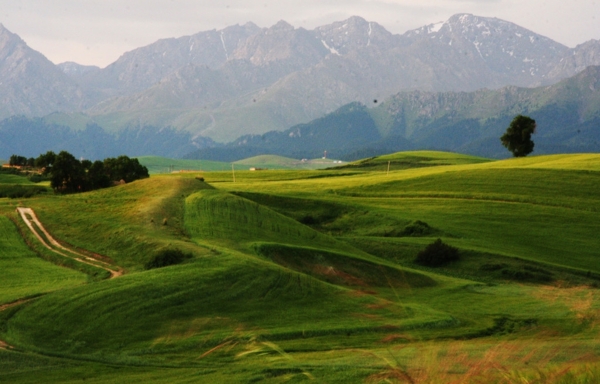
29,83
249,80
567,115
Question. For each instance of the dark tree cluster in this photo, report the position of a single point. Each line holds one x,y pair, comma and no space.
517,138
68,174
21,161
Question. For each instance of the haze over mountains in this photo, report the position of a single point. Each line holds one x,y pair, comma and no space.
248,80
567,115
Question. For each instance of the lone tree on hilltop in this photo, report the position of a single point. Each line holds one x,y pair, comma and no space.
517,138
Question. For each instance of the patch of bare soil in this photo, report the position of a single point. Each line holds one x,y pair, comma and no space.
5,346
338,276
13,304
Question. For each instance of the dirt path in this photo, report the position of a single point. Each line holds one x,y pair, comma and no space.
13,304
30,218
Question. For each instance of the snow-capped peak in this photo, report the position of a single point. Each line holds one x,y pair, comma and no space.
435,27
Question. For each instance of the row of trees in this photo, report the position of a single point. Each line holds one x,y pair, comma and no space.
21,161
68,174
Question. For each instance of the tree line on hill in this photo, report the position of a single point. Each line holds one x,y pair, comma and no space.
67,174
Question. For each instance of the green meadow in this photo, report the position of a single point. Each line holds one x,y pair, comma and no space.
294,275
26,275
156,164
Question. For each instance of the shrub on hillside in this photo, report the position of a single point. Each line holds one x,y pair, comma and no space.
10,171
20,191
436,254
415,229
37,178
167,257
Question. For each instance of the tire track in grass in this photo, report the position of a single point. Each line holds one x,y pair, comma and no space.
32,222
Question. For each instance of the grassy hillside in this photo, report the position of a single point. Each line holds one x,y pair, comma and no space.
280,162
13,179
23,273
127,224
157,164
311,275
414,159
18,186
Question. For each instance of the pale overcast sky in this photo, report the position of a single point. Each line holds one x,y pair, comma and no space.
97,32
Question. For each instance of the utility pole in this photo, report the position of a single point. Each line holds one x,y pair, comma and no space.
233,172
388,171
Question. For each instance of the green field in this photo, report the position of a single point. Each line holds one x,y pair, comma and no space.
157,164
13,179
310,275
23,273
16,186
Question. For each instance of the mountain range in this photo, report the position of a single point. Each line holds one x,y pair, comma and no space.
246,80
567,116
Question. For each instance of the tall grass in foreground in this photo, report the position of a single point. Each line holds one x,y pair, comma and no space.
507,361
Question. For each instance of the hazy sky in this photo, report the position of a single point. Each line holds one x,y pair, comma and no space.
97,32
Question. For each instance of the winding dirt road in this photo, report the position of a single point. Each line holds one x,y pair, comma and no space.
30,218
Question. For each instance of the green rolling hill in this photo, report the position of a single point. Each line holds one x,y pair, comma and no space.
299,275
156,164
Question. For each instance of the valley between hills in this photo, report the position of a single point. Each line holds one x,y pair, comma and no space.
292,275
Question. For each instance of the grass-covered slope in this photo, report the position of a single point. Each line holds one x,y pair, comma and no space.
23,273
128,223
217,216
157,164
17,186
414,159
280,162
14,179
195,306
300,275
522,208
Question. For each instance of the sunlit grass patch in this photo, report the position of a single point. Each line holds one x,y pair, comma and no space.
128,223
311,275
229,219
